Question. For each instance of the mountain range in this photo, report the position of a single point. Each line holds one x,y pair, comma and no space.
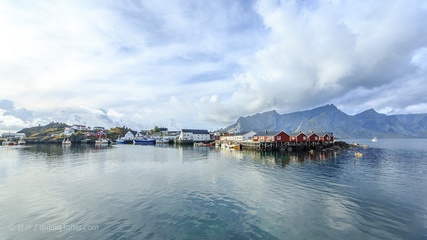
329,118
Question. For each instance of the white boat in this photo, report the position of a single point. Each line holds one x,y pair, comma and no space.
162,140
21,141
102,141
66,141
374,139
9,142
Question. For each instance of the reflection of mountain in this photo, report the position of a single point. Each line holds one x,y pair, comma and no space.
329,118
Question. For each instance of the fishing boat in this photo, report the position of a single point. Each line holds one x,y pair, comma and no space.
9,142
232,146
144,141
374,139
21,141
358,154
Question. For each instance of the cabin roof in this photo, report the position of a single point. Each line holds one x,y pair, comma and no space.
196,131
267,133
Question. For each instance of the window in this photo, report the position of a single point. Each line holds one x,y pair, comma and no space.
279,138
304,138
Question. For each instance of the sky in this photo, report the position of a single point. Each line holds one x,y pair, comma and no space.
203,64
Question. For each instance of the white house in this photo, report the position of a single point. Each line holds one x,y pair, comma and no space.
129,136
79,127
239,137
69,131
194,135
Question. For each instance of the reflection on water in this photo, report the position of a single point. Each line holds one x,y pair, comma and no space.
186,192
281,158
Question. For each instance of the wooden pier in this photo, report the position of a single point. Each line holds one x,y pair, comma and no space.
283,146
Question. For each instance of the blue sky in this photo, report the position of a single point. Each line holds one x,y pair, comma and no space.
203,64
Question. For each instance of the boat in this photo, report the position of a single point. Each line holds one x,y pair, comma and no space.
358,154
102,141
232,146
201,144
9,142
21,141
162,141
374,139
144,141
66,141
365,146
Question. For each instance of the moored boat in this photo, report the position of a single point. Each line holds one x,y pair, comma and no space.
162,141
102,141
374,139
66,141
232,146
21,141
10,142
143,141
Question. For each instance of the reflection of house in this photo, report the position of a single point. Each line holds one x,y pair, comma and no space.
69,131
194,135
79,127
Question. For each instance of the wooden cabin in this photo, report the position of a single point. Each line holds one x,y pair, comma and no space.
313,137
301,137
328,137
275,136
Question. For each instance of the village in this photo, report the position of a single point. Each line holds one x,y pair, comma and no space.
260,141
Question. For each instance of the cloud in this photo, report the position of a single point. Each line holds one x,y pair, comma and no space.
205,63
12,117
357,54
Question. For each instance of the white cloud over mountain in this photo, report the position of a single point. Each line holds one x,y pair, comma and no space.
202,64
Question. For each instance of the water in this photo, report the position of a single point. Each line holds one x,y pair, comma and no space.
166,192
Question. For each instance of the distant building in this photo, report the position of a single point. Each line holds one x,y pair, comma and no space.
97,128
271,136
194,135
13,135
129,136
79,127
69,131
238,137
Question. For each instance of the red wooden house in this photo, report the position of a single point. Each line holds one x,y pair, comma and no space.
313,137
328,137
301,137
271,137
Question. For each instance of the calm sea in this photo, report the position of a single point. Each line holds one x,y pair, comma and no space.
167,192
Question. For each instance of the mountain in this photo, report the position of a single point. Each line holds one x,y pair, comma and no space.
329,118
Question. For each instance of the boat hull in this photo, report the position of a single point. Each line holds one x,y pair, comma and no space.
144,141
